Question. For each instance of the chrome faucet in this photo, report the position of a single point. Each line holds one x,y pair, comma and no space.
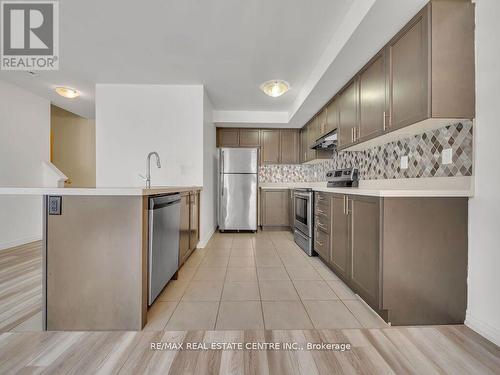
148,168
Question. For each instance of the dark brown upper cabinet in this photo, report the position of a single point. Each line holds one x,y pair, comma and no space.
332,116
409,78
289,146
348,114
425,72
303,145
270,146
431,65
321,128
373,109
249,137
228,137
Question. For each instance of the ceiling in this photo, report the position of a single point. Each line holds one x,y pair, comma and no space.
230,46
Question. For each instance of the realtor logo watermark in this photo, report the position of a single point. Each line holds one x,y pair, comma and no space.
29,35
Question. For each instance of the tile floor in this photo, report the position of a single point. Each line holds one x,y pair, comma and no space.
257,281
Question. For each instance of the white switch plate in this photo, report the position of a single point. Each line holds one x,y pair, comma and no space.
447,156
404,162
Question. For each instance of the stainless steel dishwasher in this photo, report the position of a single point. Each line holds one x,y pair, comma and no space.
164,224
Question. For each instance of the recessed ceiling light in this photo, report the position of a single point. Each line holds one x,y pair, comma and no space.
275,87
67,92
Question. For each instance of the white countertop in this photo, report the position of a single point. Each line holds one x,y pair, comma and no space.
423,187
137,191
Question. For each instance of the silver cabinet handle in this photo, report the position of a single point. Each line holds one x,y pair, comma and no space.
343,203
383,117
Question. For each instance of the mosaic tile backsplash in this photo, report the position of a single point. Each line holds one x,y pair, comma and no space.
383,162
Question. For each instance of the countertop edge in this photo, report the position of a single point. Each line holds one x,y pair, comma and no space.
388,193
97,191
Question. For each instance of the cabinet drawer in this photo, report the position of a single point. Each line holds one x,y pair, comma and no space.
322,198
322,244
322,223
322,210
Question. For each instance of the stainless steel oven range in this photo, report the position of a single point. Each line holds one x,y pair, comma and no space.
303,219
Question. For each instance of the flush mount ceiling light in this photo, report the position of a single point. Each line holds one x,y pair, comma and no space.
275,87
67,92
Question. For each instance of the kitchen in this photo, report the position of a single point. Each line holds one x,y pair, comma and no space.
353,221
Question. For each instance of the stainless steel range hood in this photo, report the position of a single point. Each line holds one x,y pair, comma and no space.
327,142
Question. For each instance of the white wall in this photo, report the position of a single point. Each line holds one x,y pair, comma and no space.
208,209
132,120
24,147
483,311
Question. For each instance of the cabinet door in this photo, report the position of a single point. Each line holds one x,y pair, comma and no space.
332,116
365,251
372,103
275,208
249,138
409,73
303,143
348,114
321,123
184,229
340,236
312,132
289,147
228,137
270,146
194,220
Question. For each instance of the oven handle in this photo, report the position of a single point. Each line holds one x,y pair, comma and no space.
303,195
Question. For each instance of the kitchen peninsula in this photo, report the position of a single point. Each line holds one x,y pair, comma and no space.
95,254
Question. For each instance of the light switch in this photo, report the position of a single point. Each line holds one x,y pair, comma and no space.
447,156
404,162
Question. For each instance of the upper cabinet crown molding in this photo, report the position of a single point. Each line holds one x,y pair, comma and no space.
425,73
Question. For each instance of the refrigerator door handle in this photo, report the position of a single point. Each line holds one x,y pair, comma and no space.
222,173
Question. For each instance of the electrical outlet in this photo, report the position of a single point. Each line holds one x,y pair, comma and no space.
447,156
404,162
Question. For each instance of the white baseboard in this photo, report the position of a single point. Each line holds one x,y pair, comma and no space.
204,241
484,329
19,242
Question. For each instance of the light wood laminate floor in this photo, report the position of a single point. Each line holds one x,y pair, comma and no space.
398,350
20,285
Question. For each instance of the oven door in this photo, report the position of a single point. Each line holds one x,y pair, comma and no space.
303,213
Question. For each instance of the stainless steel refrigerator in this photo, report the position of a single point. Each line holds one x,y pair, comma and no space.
238,176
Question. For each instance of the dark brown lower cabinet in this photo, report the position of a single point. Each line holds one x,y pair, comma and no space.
405,257
194,220
184,245
275,208
189,225
364,214
339,255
